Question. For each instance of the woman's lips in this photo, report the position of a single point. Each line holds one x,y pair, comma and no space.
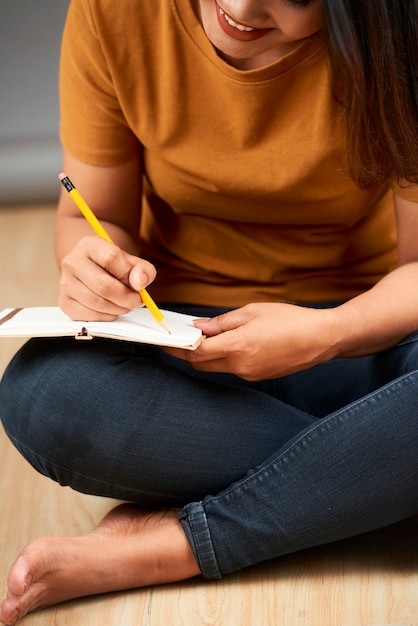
236,30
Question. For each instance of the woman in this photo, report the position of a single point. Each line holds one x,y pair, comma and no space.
257,154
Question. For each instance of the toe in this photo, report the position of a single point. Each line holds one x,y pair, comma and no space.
9,611
19,578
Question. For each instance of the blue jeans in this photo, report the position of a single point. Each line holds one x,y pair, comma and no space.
260,469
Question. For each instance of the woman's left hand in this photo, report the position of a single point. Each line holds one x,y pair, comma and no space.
263,341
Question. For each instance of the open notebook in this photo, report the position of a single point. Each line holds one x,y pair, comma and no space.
138,325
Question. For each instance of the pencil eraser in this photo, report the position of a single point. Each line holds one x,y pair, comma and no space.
62,176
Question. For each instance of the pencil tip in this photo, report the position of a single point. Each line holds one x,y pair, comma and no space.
166,328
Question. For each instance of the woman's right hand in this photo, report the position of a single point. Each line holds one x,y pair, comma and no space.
99,281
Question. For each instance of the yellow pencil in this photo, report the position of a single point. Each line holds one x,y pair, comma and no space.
99,230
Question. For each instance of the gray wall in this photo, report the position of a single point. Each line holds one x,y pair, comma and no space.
30,155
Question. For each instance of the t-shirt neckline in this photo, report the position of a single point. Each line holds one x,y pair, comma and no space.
189,21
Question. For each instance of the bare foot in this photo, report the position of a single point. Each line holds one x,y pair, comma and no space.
129,548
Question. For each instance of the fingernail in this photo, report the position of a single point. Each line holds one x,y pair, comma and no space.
141,281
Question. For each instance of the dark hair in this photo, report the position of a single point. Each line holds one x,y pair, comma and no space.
373,50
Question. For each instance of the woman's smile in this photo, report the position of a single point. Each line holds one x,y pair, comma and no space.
237,30
253,33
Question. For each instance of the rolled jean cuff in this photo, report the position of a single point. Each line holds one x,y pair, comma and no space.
193,519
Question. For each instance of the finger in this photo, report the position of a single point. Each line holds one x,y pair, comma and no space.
113,260
90,310
222,323
198,362
110,257
210,349
130,270
90,285
217,365
109,291
141,274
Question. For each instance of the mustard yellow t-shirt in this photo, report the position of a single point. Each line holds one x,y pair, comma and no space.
246,195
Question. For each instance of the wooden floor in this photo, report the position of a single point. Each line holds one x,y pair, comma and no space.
371,580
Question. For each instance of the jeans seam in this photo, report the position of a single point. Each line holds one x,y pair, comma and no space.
193,516
323,424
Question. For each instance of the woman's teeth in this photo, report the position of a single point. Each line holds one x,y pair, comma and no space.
231,22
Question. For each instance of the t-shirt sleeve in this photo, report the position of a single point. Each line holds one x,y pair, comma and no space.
93,127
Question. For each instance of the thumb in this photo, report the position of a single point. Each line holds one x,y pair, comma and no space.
141,274
220,323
